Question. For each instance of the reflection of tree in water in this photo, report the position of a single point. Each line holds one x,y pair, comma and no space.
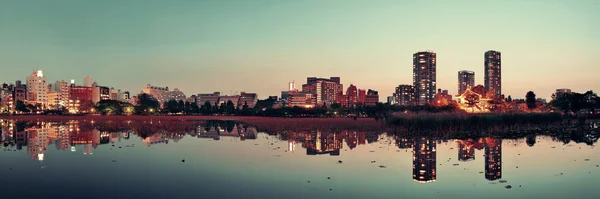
530,140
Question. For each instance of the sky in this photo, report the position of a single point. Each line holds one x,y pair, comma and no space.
260,45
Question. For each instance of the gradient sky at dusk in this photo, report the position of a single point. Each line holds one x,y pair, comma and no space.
259,46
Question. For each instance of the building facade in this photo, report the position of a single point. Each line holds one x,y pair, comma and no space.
302,99
37,89
466,79
352,94
493,72
327,90
405,95
424,77
372,98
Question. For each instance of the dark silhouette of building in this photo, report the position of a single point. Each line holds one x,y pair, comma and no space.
424,77
372,98
466,80
493,73
424,160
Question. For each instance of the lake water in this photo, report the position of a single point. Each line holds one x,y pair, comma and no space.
225,159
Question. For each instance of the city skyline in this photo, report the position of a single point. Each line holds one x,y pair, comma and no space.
545,45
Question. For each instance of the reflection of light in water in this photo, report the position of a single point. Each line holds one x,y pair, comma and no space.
41,156
73,149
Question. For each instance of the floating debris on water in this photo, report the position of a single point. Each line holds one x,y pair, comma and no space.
508,187
502,181
455,164
183,160
339,161
382,166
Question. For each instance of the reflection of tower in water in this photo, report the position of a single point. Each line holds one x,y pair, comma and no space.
424,160
465,152
493,159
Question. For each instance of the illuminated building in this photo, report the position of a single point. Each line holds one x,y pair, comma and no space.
466,79
158,138
37,89
442,98
324,143
372,98
62,87
405,143
352,95
327,90
302,99
343,100
37,141
54,100
493,77
424,77
475,100
100,93
73,106
114,94
424,160
405,95
493,159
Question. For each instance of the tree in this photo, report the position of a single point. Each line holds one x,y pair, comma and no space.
31,108
187,107
180,105
194,108
207,108
230,108
245,105
21,107
110,107
509,99
147,104
530,100
472,99
172,106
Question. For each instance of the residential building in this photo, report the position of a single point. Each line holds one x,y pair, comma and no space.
405,95
54,100
424,77
352,94
19,94
362,94
372,98
37,89
162,94
493,77
223,99
466,79
424,160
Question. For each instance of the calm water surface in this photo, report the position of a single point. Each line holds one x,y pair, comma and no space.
224,159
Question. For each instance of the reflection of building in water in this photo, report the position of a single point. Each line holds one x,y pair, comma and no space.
424,160
38,141
405,143
324,143
87,149
291,146
465,152
208,132
156,139
493,158
247,132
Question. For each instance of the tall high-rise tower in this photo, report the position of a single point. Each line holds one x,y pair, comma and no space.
466,79
424,77
493,77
